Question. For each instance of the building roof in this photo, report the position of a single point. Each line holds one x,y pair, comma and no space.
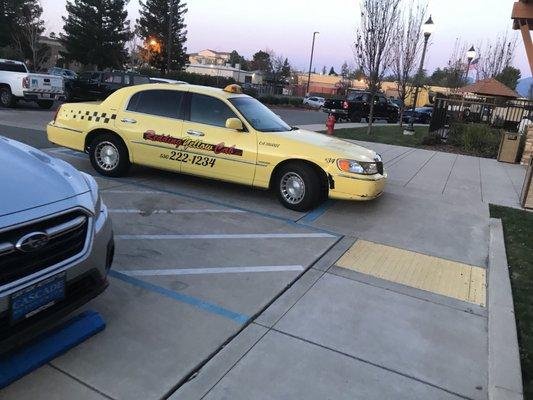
489,87
522,14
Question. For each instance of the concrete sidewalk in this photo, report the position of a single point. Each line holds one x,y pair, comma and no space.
411,325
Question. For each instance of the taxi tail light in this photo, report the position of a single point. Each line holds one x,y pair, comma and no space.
345,105
57,112
26,82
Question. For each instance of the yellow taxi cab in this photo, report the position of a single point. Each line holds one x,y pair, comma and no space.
220,134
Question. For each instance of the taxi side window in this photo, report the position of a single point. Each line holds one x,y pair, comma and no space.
163,103
209,110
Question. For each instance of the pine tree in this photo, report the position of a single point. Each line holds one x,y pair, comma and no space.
12,14
332,72
153,25
96,32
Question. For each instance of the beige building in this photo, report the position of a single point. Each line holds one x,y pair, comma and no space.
208,57
227,71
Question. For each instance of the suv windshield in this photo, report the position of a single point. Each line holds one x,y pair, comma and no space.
258,115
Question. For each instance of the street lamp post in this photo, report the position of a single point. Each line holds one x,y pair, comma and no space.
428,28
470,55
311,62
170,32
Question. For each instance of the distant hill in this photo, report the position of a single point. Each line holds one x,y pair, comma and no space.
523,86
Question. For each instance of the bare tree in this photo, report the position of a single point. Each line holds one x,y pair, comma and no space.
406,49
26,39
373,43
495,56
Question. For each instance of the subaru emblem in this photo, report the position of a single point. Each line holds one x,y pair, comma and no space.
32,242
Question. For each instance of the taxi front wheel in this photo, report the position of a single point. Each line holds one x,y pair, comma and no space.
109,155
298,187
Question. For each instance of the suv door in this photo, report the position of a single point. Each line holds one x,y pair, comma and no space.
111,81
151,122
213,150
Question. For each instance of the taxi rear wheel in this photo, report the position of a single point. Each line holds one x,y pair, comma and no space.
109,156
298,187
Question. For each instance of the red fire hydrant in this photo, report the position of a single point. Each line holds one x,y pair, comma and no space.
330,124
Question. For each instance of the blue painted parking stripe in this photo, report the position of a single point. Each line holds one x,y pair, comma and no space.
193,301
248,210
49,346
317,212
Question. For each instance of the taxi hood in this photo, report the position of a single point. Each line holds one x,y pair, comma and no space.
30,178
342,148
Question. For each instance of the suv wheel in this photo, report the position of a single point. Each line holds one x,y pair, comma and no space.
298,187
6,97
109,156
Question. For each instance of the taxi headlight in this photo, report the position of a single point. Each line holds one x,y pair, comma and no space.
95,194
357,167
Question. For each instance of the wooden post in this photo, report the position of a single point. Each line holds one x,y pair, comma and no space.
526,37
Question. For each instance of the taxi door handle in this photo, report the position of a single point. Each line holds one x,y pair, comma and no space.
129,120
195,133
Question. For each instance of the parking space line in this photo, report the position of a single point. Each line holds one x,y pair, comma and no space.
193,301
184,211
251,211
227,236
104,191
212,270
317,212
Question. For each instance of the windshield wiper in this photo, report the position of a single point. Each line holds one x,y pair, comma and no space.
294,128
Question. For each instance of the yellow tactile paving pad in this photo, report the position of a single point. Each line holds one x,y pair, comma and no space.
433,274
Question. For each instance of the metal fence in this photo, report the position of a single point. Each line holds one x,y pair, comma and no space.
506,114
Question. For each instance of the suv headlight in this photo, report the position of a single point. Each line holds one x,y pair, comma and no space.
357,167
95,194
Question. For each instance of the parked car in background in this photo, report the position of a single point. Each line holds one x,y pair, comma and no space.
314,101
356,106
56,241
422,115
17,83
68,77
63,72
97,85
165,80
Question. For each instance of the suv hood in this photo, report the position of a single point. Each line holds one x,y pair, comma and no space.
30,178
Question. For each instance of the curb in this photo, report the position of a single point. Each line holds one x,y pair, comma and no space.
505,376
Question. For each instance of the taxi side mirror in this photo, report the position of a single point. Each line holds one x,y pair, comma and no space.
234,123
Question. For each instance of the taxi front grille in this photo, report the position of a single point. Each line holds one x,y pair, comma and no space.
61,238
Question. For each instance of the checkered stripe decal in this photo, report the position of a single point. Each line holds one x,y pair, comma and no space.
90,116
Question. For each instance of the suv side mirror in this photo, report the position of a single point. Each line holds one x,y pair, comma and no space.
235,124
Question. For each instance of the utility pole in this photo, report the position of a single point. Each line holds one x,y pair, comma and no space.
311,63
169,38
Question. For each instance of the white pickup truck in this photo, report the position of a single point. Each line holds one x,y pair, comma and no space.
17,83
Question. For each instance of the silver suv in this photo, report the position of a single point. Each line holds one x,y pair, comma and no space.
56,241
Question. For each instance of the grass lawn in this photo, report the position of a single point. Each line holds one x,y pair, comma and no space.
388,134
518,232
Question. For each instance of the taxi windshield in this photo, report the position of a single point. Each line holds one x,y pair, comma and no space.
258,115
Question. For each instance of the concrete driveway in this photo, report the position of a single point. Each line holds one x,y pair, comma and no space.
217,292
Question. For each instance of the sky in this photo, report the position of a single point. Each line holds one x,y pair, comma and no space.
287,26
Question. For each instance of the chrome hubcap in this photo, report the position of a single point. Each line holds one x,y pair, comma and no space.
292,187
106,155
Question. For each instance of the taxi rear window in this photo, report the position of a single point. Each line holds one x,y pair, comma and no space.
163,103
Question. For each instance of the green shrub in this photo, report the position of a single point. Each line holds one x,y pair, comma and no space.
281,100
478,139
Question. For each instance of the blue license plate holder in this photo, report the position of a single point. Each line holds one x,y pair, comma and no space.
37,297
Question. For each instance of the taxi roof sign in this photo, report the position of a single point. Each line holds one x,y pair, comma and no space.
233,89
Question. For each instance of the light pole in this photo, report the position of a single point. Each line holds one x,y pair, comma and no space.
428,28
311,62
170,31
470,55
